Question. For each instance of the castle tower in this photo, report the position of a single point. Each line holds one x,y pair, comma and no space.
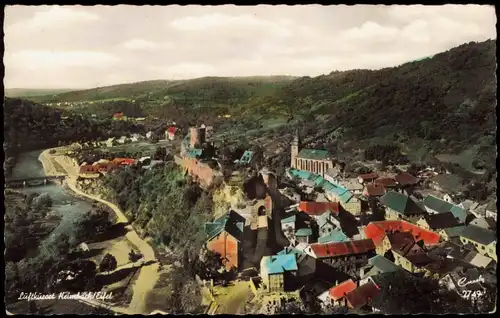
295,149
197,136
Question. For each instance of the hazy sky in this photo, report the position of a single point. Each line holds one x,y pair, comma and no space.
80,47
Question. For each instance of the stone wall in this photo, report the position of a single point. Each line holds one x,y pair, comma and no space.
200,171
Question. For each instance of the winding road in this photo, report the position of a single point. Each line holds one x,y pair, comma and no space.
148,275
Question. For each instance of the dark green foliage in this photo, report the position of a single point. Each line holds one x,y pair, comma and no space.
403,293
30,126
108,263
388,154
478,191
167,206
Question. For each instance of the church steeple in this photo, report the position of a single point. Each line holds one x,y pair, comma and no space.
296,138
295,149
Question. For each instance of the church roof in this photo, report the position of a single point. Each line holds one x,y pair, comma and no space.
314,154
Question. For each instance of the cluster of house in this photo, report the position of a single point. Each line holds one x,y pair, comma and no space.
170,134
121,116
431,237
104,166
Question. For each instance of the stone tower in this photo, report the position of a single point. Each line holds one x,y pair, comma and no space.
295,149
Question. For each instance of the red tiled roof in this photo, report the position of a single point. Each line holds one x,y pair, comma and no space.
368,176
106,167
89,168
386,182
318,208
172,130
363,295
123,161
342,289
418,259
400,239
326,250
373,190
377,230
406,179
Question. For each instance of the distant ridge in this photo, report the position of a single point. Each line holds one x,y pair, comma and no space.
29,92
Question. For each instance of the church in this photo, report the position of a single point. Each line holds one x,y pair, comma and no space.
312,160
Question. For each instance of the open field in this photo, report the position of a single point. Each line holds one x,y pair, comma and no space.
464,159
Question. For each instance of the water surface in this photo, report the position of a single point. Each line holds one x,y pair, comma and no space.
27,165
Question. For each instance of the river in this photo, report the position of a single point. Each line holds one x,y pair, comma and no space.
27,165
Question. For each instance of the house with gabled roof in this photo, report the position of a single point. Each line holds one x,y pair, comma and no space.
334,174
110,142
491,209
224,237
333,192
363,296
303,235
435,205
374,190
378,230
342,253
394,240
351,185
483,240
327,223
367,177
288,224
335,236
316,209
171,132
451,232
406,180
437,222
401,207
248,158
338,293
461,253
387,183
485,223
276,271
119,116
412,257
378,265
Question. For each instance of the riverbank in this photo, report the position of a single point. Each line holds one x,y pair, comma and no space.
148,276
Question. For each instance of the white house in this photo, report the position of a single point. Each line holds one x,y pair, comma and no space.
110,142
83,247
122,140
448,198
135,137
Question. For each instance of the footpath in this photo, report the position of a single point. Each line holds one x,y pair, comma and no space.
148,275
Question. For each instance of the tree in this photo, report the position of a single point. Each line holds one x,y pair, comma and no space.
133,257
108,263
63,244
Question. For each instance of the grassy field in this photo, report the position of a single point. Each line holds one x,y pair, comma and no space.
464,159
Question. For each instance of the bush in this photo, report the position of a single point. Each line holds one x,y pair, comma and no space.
42,201
108,263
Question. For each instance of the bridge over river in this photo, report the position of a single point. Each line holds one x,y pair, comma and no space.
33,181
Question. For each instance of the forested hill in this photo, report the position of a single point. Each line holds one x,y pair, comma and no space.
442,103
29,126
